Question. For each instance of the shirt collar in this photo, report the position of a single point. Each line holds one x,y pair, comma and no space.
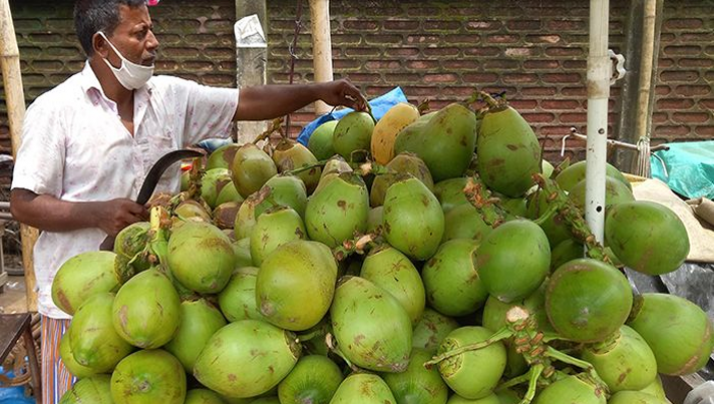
90,83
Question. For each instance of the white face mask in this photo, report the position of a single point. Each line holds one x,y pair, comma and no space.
130,75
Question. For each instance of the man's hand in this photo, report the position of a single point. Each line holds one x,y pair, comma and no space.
342,92
114,215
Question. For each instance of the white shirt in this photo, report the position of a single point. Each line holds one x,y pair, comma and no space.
75,148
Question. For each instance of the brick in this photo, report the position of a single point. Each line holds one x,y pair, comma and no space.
538,117
383,39
507,90
550,39
416,11
425,64
361,25
462,39
566,25
55,24
696,63
453,91
37,38
709,76
707,104
522,52
423,39
659,117
572,118
377,90
679,75
690,50
29,52
706,132
441,78
675,103
521,105
665,63
560,104
482,51
166,66
523,25
197,66
364,52
284,78
480,78
503,38
483,25
696,37
346,64
709,50
459,64
538,91
690,117
662,90
32,79
575,64
501,64
403,52
401,25
27,24
558,78
402,77
382,65
47,65
441,26
693,90
520,78
388,12
182,52
541,64
544,10
667,37
419,91
683,24
201,39
557,131
669,131
441,51
564,51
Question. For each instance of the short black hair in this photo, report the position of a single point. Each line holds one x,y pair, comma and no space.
92,16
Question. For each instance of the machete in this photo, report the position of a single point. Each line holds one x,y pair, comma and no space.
152,179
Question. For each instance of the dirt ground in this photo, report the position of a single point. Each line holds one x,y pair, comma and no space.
12,297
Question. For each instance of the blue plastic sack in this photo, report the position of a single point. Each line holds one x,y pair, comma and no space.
380,106
687,168
13,395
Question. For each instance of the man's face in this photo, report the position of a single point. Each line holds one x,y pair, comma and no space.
133,37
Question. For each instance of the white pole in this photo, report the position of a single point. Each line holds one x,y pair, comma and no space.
321,47
598,84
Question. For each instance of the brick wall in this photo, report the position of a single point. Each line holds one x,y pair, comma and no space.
535,50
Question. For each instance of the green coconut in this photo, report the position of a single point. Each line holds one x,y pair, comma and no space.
251,168
222,157
314,379
576,172
246,358
83,276
201,257
212,182
282,190
295,285
647,237
431,329
371,327
392,271
203,396
363,388
450,193
147,310
199,321
353,133
338,210
76,369
320,142
93,339
405,163
148,377
464,222
91,390
571,389
452,281
413,219
237,299
290,155
277,226
513,260
418,385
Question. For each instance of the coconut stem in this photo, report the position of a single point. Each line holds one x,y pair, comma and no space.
587,366
481,198
299,170
359,245
330,341
275,126
573,217
532,377
498,336
423,107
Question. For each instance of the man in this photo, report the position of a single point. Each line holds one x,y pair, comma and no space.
88,143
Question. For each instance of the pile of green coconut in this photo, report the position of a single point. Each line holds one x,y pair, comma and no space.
426,258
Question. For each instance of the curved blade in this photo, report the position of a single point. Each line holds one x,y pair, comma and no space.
158,169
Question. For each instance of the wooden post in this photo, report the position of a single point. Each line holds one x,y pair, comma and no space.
251,65
321,47
15,99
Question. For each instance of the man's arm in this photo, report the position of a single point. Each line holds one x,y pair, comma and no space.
51,214
272,101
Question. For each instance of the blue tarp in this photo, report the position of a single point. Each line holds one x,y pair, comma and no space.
380,106
688,168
